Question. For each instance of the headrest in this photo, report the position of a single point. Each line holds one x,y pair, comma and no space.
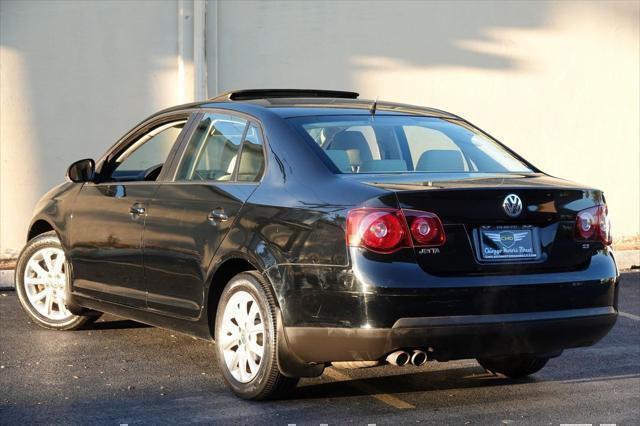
441,160
349,140
251,159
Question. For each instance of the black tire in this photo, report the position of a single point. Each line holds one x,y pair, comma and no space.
69,322
268,382
516,366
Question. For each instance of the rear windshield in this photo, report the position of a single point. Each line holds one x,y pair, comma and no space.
392,144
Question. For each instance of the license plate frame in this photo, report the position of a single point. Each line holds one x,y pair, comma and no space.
508,244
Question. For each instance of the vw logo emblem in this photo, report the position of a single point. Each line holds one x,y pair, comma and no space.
512,205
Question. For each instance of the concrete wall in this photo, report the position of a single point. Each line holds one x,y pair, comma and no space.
559,82
556,81
75,76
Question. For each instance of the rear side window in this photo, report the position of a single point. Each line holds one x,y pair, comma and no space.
213,149
251,157
223,148
400,144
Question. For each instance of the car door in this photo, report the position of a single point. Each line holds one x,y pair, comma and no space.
108,217
219,168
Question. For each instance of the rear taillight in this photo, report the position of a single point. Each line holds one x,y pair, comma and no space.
387,230
593,224
426,228
379,230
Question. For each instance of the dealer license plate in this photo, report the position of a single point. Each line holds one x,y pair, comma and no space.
507,243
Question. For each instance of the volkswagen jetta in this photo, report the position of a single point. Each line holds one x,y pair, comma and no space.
306,228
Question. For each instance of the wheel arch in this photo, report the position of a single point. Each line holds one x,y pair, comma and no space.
38,227
223,273
288,363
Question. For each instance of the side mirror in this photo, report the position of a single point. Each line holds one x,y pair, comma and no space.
82,170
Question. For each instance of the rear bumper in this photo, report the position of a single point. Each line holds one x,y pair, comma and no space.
338,313
457,337
377,295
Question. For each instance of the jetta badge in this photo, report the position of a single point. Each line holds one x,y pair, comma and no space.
512,205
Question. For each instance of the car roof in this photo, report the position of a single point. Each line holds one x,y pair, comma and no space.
289,103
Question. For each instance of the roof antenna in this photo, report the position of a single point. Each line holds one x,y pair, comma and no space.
372,110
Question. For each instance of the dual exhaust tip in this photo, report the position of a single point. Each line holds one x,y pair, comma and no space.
416,357
401,358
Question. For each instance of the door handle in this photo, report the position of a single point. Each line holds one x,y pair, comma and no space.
136,210
217,215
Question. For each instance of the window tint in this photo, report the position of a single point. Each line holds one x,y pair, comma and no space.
144,159
213,149
252,157
383,144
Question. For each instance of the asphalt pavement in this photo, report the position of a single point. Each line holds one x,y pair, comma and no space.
122,372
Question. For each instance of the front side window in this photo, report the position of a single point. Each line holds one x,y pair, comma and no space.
387,144
143,160
223,148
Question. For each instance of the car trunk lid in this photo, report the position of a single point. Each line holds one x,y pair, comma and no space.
481,235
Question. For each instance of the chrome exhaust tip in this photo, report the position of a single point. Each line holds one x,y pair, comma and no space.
418,358
398,358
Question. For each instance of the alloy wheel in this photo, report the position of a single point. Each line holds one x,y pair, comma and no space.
45,280
242,336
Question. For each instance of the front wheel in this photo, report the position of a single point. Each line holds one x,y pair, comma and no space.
42,275
516,366
245,335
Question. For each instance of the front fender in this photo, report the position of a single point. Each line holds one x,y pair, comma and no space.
56,209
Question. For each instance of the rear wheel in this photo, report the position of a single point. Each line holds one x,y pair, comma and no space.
516,366
245,334
42,276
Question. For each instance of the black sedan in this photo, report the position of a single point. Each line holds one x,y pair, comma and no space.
306,228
